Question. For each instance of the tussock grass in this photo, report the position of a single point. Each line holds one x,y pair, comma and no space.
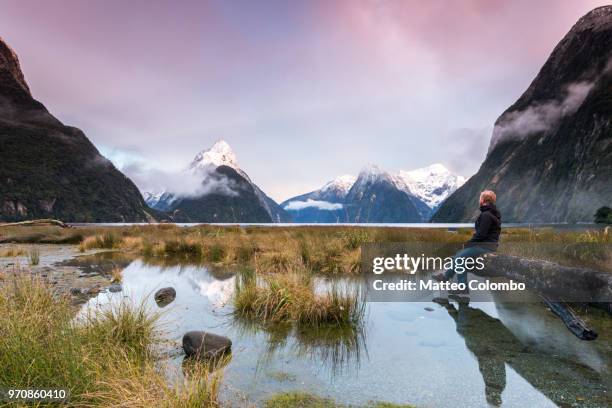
321,249
183,248
291,297
34,256
12,252
108,240
299,400
296,399
116,275
104,359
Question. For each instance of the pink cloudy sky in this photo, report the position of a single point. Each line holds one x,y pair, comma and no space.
302,90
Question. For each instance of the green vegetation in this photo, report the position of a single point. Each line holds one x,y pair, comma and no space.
305,400
320,250
107,240
291,297
282,376
34,256
603,215
104,359
12,252
299,400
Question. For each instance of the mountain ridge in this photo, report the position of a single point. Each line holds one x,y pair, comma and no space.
426,187
556,138
48,169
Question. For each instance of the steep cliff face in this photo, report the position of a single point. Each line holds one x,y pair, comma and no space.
48,169
550,157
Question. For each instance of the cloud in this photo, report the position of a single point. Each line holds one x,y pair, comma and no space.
468,147
540,117
321,205
182,183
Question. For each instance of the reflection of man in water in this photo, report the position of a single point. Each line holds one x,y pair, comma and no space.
485,238
475,327
494,345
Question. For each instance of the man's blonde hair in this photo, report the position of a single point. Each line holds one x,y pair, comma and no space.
488,196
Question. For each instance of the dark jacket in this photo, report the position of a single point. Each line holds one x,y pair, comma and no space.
488,227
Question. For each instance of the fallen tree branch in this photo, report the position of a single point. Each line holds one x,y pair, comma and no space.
30,223
553,281
574,323
571,284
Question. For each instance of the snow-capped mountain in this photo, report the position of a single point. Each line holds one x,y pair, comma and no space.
220,154
325,205
374,196
338,187
426,188
377,197
152,197
432,184
226,194
160,200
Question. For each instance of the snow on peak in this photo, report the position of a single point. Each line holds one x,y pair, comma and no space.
152,197
371,170
341,184
220,154
432,184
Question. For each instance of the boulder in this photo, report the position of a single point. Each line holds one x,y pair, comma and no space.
165,296
200,344
114,288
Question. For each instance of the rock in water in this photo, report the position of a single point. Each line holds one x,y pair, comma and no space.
50,170
114,288
556,139
165,296
200,344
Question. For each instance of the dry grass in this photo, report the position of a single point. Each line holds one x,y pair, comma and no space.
12,252
34,256
107,240
324,249
291,297
104,359
116,275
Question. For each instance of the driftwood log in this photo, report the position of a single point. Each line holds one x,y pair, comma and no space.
32,223
571,320
557,285
570,284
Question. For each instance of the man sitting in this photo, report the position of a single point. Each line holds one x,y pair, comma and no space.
484,240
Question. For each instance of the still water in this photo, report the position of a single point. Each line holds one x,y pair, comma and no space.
419,353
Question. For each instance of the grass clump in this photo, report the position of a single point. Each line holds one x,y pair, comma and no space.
215,252
291,297
107,240
116,275
183,249
299,400
354,238
105,359
12,252
34,256
305,400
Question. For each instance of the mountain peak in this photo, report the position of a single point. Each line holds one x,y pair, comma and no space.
342,183
220,154
598,19
432,184
371,170
10,62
